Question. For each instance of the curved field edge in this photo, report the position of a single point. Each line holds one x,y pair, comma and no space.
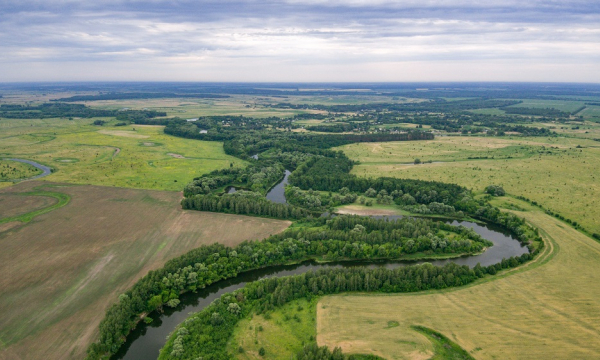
543,309
443,348
63,199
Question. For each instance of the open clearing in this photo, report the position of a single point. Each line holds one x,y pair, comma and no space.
550,309
134,156
282,335
551,171
64,268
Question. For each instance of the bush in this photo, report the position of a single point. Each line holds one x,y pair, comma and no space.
495,190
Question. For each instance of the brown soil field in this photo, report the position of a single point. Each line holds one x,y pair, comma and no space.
61,271
14,205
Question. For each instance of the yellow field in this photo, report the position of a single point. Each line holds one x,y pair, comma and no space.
550,309
566,180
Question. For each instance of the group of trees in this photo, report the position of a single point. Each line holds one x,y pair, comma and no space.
245,203
314,352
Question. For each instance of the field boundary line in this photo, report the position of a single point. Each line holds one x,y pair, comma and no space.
63,199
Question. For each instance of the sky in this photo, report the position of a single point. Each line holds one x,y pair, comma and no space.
293,40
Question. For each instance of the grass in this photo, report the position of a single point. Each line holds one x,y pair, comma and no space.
551,171
13,170
65,267
128,156
489,111
282,333
444,348
562,105
547,309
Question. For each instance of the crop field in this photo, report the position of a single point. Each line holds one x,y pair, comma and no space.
62,269
282,334
549,309
133,156
551,171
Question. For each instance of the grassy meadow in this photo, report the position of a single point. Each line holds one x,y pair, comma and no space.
549,308
61,270
134,156
552,171
13,170
282,333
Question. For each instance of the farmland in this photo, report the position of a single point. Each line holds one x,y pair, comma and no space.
65,267
551,171
548,309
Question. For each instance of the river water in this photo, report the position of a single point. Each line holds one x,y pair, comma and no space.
277,193
146,340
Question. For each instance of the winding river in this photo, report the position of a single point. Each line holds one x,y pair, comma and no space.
146,340
45,170
277,192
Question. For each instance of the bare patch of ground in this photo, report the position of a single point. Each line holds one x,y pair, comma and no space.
123,133
364,210
60,272
177,156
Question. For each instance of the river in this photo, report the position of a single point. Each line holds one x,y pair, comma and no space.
277,192
146,340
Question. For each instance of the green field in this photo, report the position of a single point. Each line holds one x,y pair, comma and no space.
490,111
590,112
133,156
549,308
562,105
282,333
551,171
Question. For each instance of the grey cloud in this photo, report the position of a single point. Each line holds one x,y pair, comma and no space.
204,35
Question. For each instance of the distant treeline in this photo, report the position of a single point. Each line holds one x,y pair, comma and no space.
136,95
435,105
63,110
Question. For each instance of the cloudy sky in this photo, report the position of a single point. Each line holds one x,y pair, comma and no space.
300,40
